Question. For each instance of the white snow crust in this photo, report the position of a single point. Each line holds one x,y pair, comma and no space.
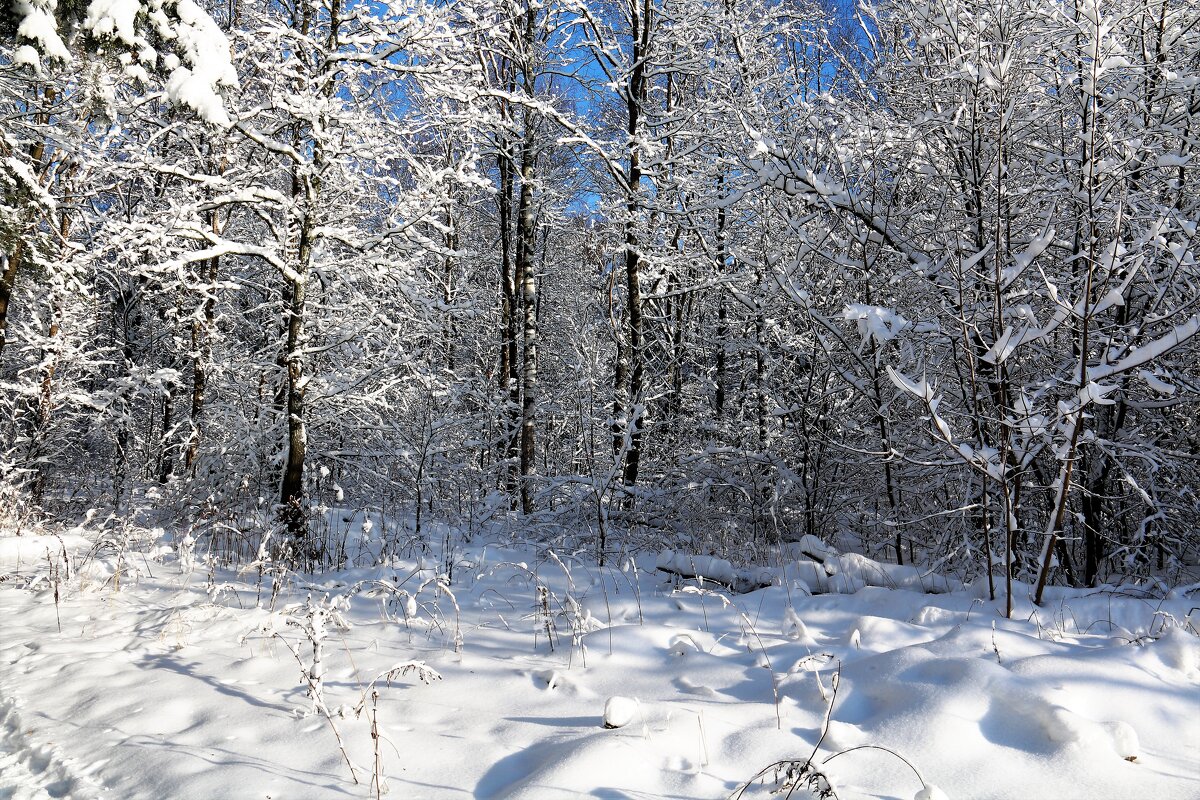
156,676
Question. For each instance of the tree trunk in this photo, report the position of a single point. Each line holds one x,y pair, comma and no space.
509,301
635,99
527,275
722,311
201,341
45,406
9,264
510,388
291,494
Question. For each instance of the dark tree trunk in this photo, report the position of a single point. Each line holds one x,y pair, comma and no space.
8,279
642,24
527,277
201,342
291,495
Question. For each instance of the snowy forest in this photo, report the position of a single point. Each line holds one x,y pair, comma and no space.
726,304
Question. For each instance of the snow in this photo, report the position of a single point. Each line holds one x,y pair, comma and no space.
1139,356
29,769
1095,393
206,68
930,792
201,46
39,27
620,711
206,49
176,682
27,56
1023,259
19,554
114,18
195,91
874,322
708,567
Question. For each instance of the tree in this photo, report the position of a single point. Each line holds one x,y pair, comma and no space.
1005,198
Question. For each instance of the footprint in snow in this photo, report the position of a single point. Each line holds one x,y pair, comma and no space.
36,769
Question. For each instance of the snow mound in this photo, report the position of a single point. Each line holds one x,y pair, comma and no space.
620,711
818,568
18,553
930,792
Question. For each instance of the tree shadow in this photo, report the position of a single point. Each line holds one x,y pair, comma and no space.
560,722
189,670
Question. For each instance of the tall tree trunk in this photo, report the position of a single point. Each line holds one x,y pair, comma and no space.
52,356
307,190
529,331
166,460
201,342
291,494
527,276
127,320
9,264
449,334
722,311
509,301
45,405
642,24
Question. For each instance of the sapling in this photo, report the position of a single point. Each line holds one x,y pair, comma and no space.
636,582
795,629
702,593
580,624
580,620
809,775
442,586
116,543
542,612
398,600
813,663
767,662
792,774
56,576
376,736
262,564
607,610
314,619
371,691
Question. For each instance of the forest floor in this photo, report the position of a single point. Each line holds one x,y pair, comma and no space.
155,676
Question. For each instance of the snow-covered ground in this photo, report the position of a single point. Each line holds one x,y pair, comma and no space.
171,680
